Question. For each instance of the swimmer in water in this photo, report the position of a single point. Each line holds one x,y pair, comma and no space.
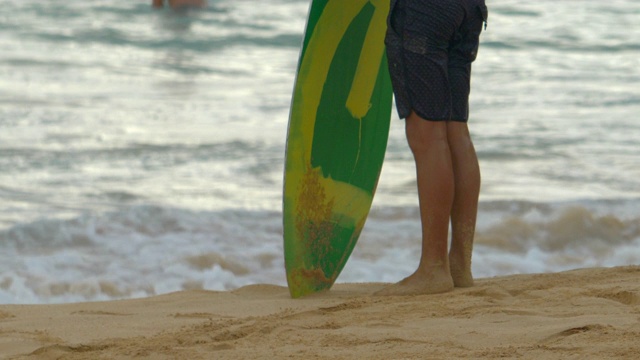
180,3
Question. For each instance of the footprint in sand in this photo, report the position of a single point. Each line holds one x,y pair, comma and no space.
193,315
107,313
591,329
623,297
5,315
61,351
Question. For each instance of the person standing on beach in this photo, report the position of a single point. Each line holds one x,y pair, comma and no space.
430,46
179,3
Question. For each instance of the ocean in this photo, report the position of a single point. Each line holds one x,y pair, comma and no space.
142,150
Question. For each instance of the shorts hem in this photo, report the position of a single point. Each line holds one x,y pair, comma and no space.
431,118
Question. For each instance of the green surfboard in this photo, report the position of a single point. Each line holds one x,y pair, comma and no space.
337,138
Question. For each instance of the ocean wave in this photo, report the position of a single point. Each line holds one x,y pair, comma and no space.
147,250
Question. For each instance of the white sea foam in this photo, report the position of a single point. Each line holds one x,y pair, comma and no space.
147,250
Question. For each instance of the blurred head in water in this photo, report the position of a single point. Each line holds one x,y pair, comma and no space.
179,3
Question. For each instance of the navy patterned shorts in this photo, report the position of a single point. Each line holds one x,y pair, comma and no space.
431,45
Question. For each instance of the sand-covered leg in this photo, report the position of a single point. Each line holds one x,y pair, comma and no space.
465,203
428,142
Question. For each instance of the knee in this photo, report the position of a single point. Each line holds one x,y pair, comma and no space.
421,143
424,135
458,135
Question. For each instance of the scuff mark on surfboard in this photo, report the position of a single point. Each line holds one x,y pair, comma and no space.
308,281
314,224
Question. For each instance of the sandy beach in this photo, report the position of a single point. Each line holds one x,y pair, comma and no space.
586,313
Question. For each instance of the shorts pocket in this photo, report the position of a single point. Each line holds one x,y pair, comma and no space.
465,49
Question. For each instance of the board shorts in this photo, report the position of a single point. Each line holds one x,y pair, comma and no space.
430,47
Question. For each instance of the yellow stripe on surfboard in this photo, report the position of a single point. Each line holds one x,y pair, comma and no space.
314,70
364,81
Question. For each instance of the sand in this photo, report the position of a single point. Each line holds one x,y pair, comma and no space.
587,313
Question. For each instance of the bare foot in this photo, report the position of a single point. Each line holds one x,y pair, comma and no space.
460,271
426,280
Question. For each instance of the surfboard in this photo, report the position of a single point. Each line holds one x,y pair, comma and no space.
337,137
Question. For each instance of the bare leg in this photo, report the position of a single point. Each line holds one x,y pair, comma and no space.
429,143
465,203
